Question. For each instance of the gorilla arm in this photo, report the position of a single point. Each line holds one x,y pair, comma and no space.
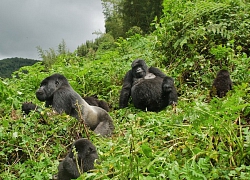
126,89
70,167
156,72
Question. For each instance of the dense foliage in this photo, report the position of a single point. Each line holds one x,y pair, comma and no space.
122,16
202,138
9,65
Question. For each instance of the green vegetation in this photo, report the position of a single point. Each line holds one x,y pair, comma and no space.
202,139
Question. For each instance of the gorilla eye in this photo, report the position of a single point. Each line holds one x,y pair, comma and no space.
57,82
90,150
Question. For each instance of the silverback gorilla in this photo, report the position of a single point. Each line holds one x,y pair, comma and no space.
86,156
56,91
222,84
145,86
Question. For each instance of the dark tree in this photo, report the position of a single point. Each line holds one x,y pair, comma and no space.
144,85
84,158
222,84
56,91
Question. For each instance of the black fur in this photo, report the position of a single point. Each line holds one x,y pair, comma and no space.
144,85
169,91
57,92
222,84
94,101
27,107
86,156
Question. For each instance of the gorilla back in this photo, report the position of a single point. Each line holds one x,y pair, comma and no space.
57,92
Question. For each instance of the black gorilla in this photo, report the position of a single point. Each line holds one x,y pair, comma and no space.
144,85
27,107
94,101
86,156
170,95
222,84
56,91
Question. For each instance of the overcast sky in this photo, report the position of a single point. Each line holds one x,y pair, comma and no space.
26,24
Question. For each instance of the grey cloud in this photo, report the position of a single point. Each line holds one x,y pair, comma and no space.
26,24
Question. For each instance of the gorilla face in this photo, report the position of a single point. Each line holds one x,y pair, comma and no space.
48,86
167,85
139,68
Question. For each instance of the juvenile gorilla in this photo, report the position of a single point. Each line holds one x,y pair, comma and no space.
94,101
27,107
144,85
56,91
86,156
222,84
169,91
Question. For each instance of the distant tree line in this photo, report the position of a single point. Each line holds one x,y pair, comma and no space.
123,18
9,65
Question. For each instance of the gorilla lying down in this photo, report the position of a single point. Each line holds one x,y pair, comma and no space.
56,91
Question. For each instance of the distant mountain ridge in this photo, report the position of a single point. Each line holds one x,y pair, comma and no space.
10,65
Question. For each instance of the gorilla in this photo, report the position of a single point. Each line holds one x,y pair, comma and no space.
144,85
169,91
56,91
84,159
27,107
94,101
222,84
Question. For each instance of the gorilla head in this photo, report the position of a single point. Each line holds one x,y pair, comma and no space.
57,92
167,85
169,90
222,84
27,107
139,68
85,157
49,86
144,85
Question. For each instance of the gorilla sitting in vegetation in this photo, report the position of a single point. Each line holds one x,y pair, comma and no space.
94,101
27,107
144,85
222,84
83,157
56,91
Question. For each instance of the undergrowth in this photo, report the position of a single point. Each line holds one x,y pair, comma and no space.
202,138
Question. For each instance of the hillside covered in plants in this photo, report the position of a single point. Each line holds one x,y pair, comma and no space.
203,138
